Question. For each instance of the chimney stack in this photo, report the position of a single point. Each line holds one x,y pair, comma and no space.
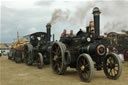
48,26
96,15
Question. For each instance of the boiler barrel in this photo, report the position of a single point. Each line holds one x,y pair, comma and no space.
94,49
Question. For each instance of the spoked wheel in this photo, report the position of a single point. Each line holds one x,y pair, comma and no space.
57,54
112,66
85,67
26,54
40,62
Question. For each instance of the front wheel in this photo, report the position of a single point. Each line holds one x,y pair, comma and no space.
85,67
112,66
40,62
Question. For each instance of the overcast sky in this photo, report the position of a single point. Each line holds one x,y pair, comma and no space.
29,16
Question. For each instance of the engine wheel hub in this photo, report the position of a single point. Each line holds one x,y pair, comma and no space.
82,67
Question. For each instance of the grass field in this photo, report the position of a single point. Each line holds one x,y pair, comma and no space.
20,74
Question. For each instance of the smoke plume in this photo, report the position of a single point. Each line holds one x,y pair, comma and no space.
113,14
75,17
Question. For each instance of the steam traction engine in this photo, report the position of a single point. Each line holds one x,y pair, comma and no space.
38,51
118,43
16,52
84,52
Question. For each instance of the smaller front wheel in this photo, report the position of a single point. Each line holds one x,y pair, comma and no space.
85,67
112,66
40,62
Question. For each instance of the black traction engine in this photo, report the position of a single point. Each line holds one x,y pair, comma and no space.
85,51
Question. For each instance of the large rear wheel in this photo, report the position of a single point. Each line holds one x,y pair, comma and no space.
57,55
18,57
28,54
85,67
112,66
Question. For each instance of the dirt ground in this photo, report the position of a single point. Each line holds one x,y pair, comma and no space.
20,74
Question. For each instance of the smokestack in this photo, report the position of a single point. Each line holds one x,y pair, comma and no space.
96,15
48,26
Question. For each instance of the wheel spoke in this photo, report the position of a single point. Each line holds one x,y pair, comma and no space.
54,52
116,65
115,71
55,65
84,68
57,49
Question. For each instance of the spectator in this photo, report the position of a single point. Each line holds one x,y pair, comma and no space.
71,33
64,33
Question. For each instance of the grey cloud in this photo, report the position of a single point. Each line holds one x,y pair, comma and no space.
23,21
